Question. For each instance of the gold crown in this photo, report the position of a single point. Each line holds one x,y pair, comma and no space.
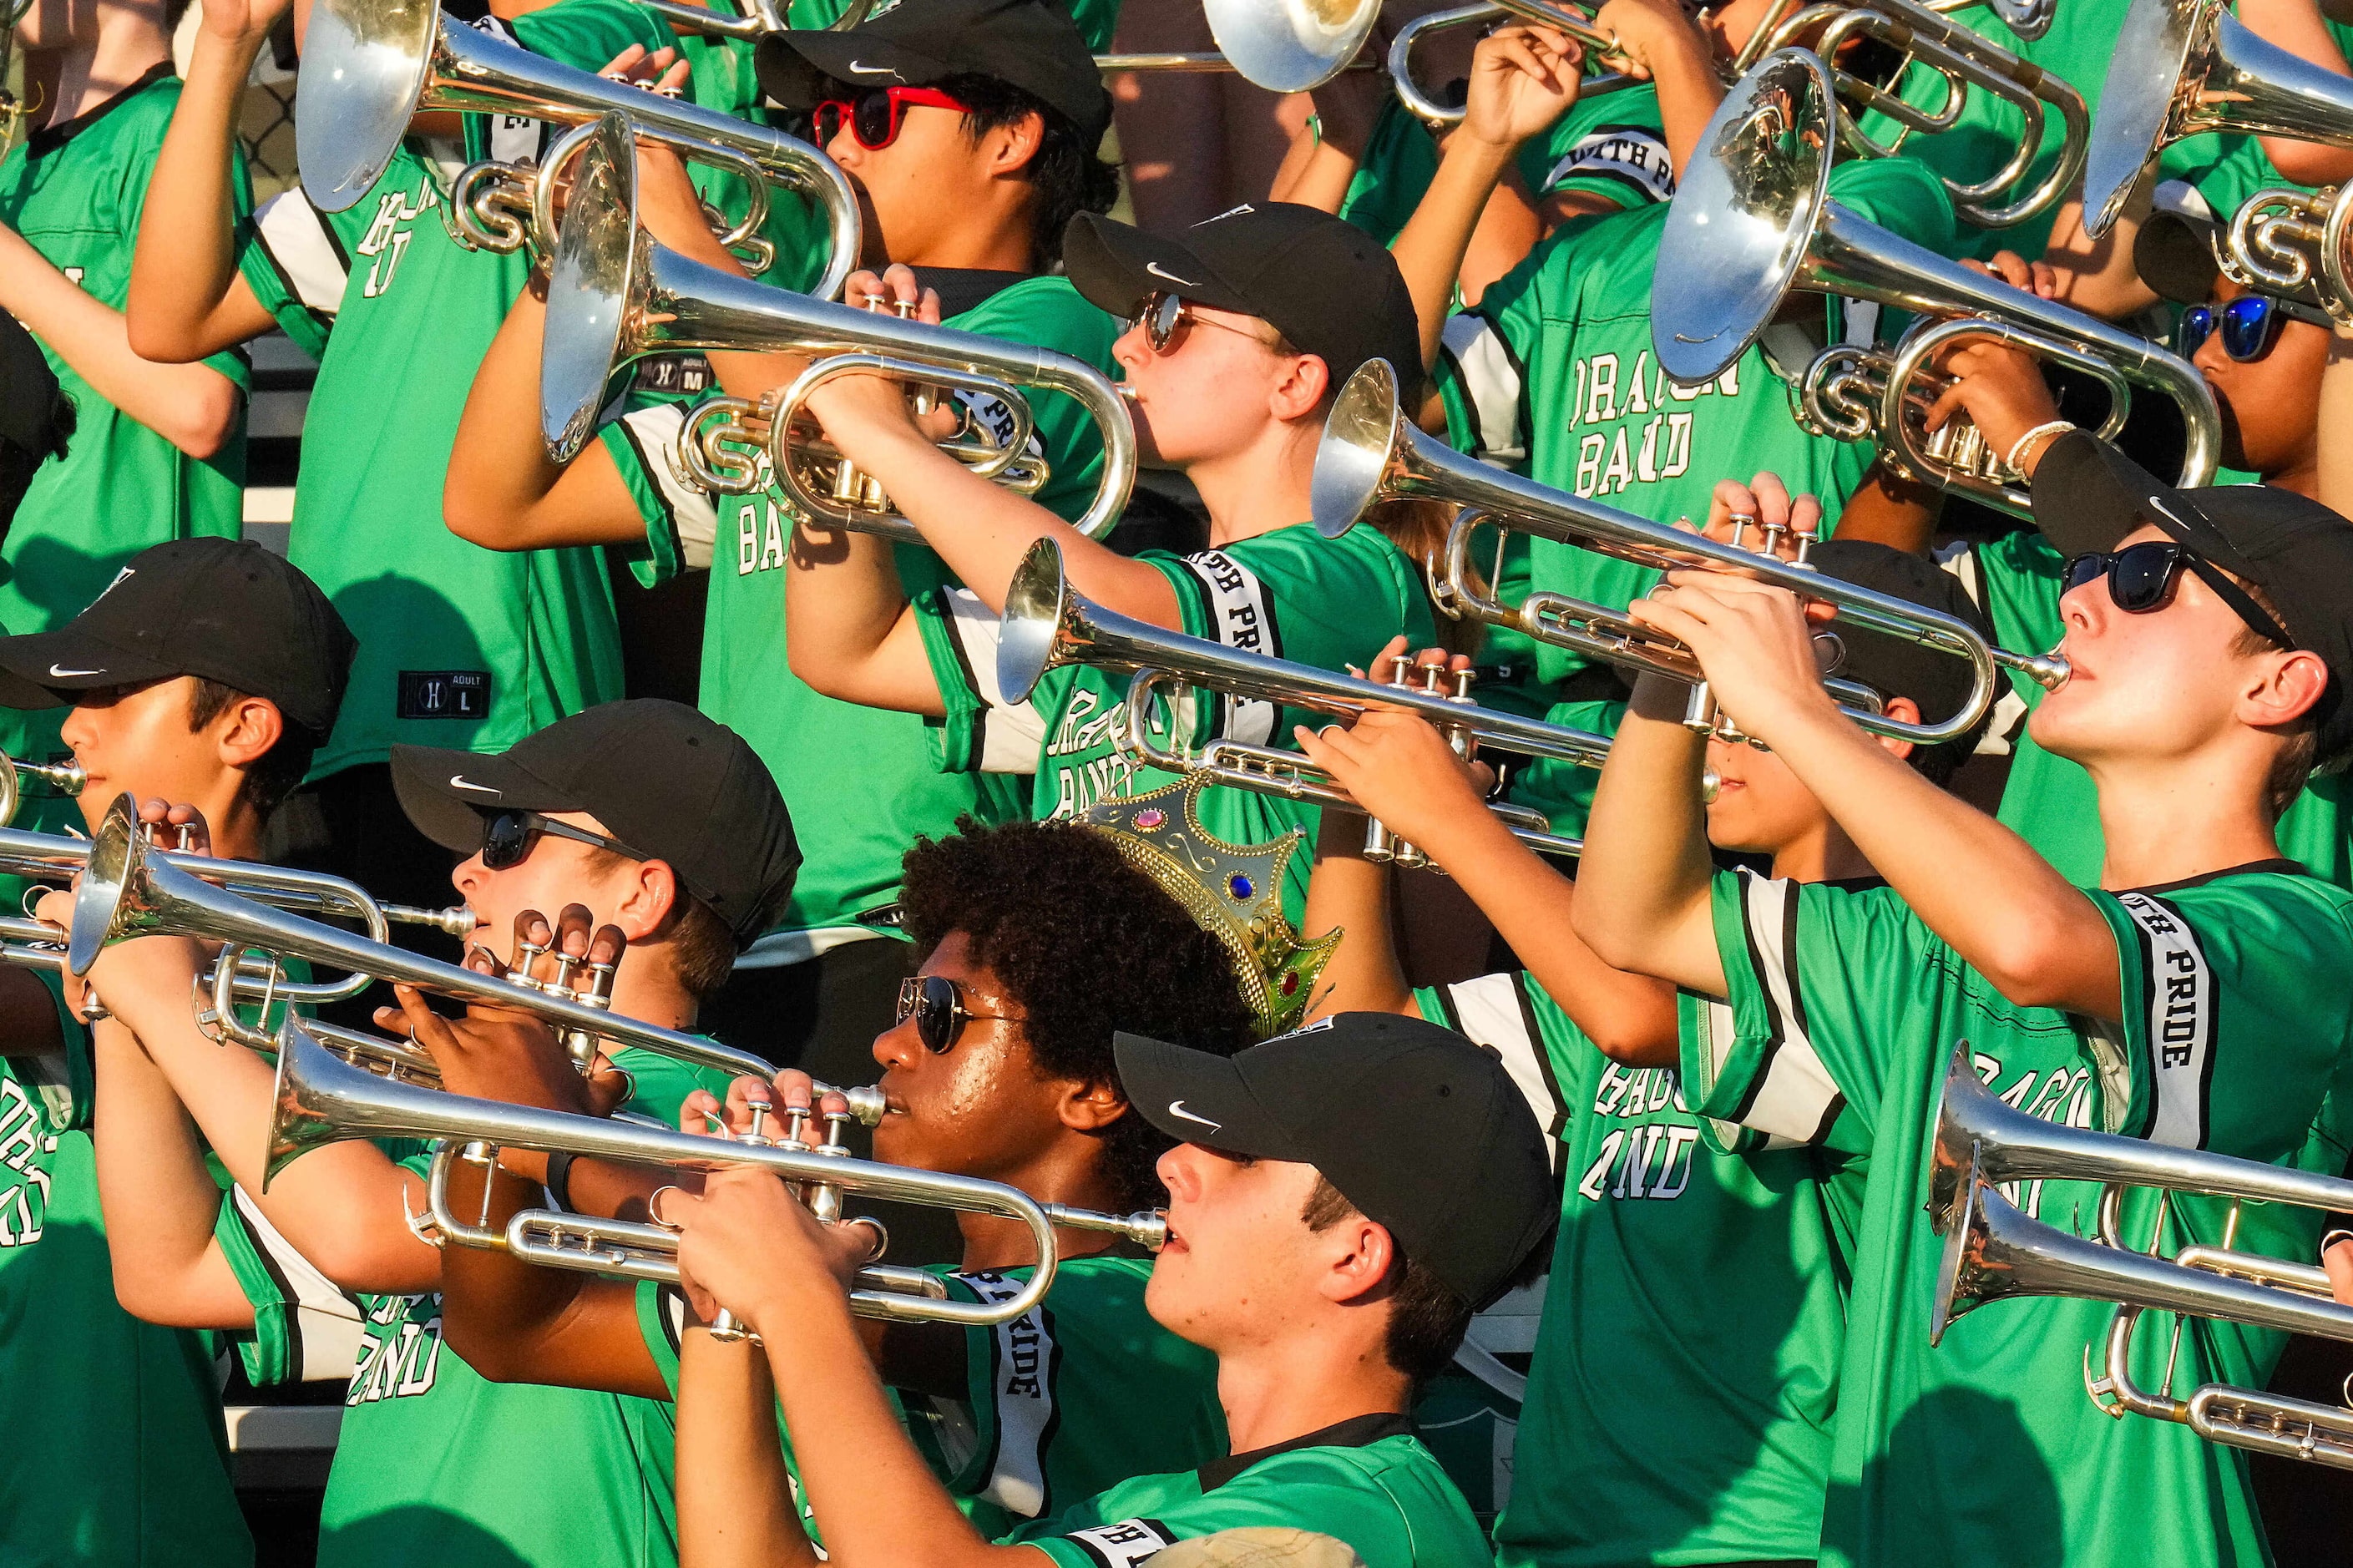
1233,891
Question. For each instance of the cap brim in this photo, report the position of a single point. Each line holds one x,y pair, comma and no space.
44,669
2174,255
1116,268
2088,495
805,67
445,792
1196,1098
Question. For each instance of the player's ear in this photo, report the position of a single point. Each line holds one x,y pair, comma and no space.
246,731
1089,1107
1904,711
1359,1255
652,893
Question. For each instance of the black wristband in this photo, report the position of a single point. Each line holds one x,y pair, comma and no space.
559,1180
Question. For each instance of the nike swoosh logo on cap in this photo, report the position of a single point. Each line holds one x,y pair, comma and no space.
459,781
1154,268
873,70
1176,1108
61,672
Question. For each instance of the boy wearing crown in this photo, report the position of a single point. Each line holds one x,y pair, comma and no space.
1039,943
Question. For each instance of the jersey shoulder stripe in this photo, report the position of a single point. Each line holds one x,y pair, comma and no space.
323,1324
1496,1011
1793,1095
1634,156
1240,615
1494,383
688,514
1024,1360
301,247
2178,994
1012,734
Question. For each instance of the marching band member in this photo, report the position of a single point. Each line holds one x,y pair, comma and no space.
1040,942
207,673
1328,1277
161,448
1666,1419
973,197
458,648
2209,633
648,817
1241,330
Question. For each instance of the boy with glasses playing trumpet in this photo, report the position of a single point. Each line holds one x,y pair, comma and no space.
969,153
207,673
1039,943
2194,999
642,816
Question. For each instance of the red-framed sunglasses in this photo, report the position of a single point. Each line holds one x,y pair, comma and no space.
873,117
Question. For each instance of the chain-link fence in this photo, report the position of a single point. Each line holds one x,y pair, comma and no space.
266,125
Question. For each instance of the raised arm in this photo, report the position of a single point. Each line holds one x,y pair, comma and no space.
159,1198
848,629
736,1503
1645,875
2296,26
186,299
1658,43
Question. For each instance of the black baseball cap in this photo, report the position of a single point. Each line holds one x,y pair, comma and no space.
1326,285
1937,682
1027,44
1351,1095
2088,495
220,608
672,784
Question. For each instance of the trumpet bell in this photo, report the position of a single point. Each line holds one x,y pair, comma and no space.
114,900
1038,623
590,283
1291,45
1358,449
364,66
1743,215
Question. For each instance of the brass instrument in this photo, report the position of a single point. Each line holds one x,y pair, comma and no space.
370,65
760,18
11,13
1557,14
1966,59
63,777
1291,45
1754,215
2185,67
1372,452
130,891
1995,1252
321,1100
615,295
2285,239
1047,622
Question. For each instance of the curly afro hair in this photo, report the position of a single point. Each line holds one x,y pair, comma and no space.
1089,946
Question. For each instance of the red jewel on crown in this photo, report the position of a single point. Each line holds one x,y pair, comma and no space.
1150,817
1289,982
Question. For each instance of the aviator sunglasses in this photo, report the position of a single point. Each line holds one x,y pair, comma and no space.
936,1004
874,117
2141,577
1165,317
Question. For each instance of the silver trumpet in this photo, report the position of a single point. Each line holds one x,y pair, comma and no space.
321,1100
1048,623
2185,67
129,890
1567,18
370,65
615,295
1753,214
760,18
1370,452
1994,1252
1966,59
63,777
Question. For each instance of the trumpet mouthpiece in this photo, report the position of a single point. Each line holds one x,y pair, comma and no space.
2050,670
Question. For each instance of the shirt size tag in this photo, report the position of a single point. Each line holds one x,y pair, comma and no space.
461,694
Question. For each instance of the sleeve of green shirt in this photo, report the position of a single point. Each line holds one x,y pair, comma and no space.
305,1330
681,521
982,731
1818,978
1900,195
1483,355
1610,145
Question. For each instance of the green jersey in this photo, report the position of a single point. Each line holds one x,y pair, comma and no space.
1369,1481
121,1461
75,190
1072,1398
437,1465
860,781
1610,146
459,646
1289,594
1664,1421
1843,1011
2051,801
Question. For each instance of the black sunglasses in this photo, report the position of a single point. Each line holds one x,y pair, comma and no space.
936,1004
2141,576
508,836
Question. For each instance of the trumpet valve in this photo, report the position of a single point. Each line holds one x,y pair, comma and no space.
759,1132
1807,539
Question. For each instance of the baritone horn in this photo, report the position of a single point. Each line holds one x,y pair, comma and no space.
1994,1251
321,1100
1046,623
1755,215
129,890
615,295
1371,452
2185,67
370,65
2285,239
